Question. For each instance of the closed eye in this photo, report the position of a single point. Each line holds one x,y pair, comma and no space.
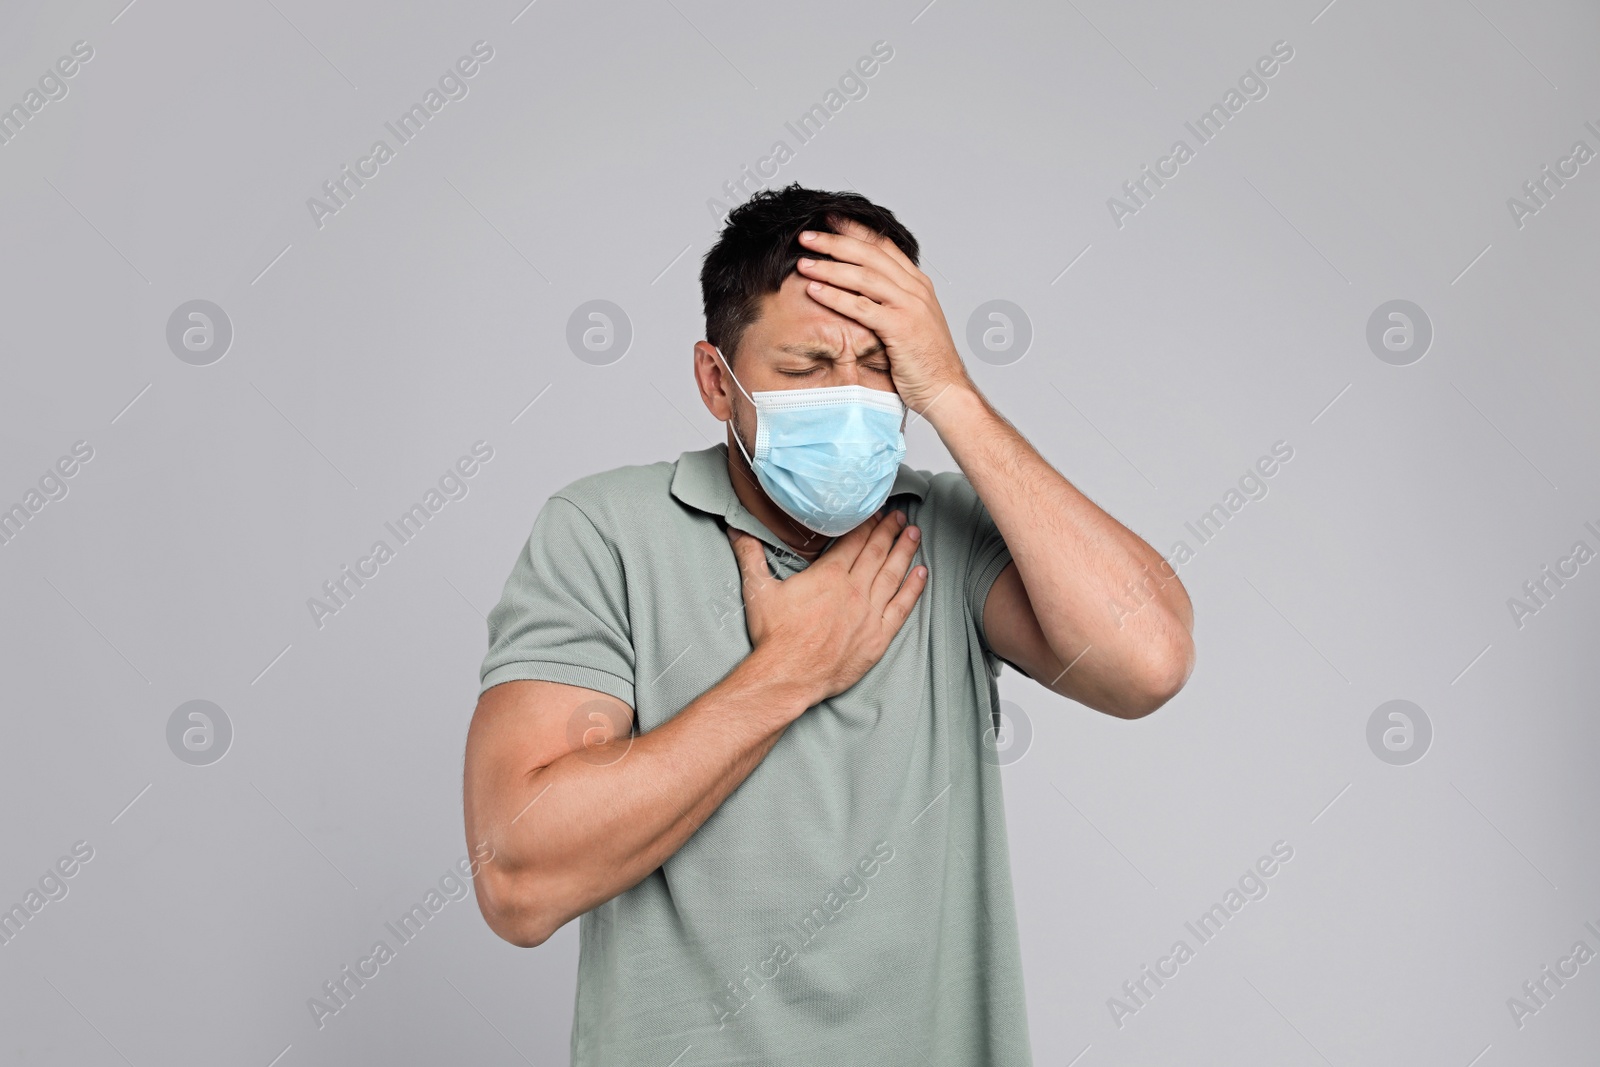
876,368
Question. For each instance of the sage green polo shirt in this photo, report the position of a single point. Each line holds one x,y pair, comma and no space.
850,902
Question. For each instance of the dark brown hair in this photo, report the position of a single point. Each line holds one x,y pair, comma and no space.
760,245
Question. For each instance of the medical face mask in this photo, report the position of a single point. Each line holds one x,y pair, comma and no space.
827,456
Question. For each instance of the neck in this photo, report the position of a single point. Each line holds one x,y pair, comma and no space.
803,542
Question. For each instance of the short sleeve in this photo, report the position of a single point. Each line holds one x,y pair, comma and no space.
563,616
989,557
986,556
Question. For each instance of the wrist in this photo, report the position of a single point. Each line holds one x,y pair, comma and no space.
775,686
957,404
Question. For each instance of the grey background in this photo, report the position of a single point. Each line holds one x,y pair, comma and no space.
1228,314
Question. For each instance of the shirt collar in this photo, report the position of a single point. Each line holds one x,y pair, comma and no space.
702,481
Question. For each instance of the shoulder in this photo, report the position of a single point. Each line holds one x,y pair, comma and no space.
615,499
956,525
948,498
585,529
949,487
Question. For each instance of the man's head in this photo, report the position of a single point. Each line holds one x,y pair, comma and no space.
759,316
759,247
774,336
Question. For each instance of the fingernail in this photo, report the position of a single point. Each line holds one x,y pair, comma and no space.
914,533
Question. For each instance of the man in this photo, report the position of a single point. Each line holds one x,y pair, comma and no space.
737,710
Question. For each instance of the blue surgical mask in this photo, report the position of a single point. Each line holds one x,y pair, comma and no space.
827,456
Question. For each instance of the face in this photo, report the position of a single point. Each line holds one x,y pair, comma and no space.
796,343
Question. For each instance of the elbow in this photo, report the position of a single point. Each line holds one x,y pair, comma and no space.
514,911
1164,674
529,937
525,933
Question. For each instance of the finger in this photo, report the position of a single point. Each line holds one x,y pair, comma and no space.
855,243
882,243
868,260
894,567
866,566
867,282
899,607
879,318
843,552
753,568
861,231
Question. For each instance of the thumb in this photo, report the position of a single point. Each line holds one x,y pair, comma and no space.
752,560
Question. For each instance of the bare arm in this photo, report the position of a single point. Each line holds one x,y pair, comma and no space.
1082,586
1087,607
569,828
574,810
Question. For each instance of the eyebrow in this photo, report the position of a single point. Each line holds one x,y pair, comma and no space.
814,350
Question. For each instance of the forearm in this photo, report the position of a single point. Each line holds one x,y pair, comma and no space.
1091,580
596,821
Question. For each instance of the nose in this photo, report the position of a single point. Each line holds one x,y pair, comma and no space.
845,372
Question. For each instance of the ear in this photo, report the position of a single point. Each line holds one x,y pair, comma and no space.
713,382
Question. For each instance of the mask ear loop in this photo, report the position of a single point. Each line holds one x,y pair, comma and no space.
735,378
748,397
